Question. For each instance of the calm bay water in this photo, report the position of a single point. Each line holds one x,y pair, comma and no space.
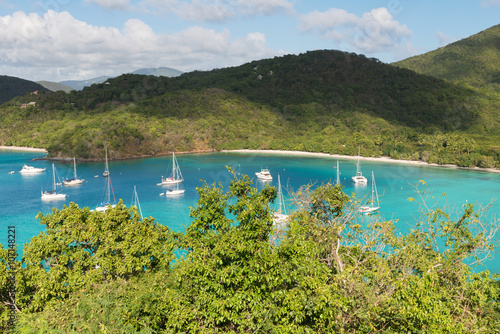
20,194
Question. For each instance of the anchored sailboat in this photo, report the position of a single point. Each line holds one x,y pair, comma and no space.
359,178
52,194
372,207
175,177
75,180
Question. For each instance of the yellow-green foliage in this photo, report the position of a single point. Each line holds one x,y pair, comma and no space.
323,272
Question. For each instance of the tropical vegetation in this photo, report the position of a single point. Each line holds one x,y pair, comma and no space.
233,270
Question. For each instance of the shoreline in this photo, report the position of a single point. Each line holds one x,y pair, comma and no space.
23,149
276,152
350,157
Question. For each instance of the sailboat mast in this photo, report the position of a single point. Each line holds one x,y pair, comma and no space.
338,173
280,195
174,169
106,168
74,167
136,201
53,177
357,163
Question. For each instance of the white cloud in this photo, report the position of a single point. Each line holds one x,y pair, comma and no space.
59,47
490,3
444,39
217,10
112,4
375,31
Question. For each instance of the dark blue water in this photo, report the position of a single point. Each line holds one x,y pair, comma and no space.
20,194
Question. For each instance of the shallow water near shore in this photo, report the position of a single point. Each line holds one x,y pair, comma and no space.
20,194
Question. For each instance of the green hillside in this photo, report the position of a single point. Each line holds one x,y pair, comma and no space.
11,87
321,101
474,60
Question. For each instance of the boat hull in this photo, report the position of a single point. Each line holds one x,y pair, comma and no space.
52,196
73,182
31,170
174,192
366,210
167,182
264,175
359,179
103,207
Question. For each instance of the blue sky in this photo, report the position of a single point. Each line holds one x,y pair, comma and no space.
81,39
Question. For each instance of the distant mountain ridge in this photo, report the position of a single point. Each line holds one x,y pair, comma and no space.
474,60
160,71
79,84
55,86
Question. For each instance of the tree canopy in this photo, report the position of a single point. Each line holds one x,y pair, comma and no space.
325,271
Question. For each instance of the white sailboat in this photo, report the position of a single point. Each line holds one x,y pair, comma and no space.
104,205
106,168
280,215
264,175
52,194
175,177
359,178
75,180
372,207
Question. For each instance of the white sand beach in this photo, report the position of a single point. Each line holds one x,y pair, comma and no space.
20,148
349,157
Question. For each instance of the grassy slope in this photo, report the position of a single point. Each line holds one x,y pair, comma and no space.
474,60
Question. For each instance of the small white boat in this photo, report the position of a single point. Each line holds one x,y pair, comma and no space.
359,178
31,170
52,194
75,180
264,175
174,192
372,207
11,172
176,175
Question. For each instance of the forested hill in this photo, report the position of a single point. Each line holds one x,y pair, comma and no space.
321,101
11,87
334,79
474,60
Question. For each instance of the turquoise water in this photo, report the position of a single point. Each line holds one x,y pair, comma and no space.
20,194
